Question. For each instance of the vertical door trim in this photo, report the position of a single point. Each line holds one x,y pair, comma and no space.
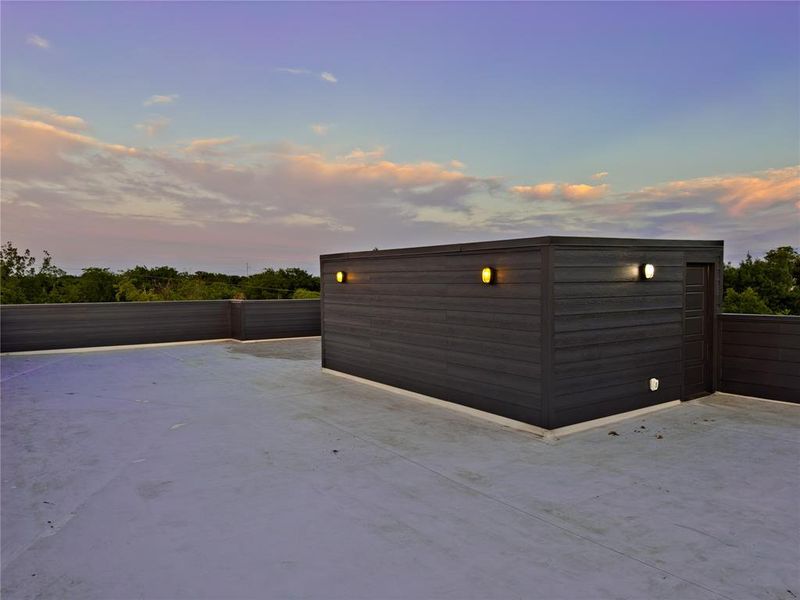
710,362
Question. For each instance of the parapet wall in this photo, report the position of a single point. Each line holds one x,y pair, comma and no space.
760,356
55,326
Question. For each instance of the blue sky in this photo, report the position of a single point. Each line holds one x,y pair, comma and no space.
213,134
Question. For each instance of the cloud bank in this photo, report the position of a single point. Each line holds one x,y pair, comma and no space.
209,201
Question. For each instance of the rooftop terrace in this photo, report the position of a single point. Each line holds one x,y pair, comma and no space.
227,470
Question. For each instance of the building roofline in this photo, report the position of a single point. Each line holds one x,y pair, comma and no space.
520,243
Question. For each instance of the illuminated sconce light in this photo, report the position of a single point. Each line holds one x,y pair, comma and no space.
648,271
487,275
341,276
653,384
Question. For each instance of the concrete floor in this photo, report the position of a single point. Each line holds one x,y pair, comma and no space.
242,471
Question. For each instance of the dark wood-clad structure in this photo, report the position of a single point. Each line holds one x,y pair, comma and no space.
569,329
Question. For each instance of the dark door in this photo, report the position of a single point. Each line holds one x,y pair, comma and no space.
698,331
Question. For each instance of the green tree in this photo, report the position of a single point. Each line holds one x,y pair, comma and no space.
746,302
278,283
192,288
14,264
13,268
303,294
96,285
774,279
141,284
207,277
22,283
128,292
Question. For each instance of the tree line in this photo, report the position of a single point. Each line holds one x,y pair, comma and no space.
24,281
768,285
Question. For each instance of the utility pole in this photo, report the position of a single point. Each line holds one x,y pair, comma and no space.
247,268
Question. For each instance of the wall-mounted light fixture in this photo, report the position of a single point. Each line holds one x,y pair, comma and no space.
341,276
648,271
487,275
653,384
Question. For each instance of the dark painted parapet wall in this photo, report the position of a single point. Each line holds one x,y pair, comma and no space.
267,319
54,326
570,332
425,322
761,356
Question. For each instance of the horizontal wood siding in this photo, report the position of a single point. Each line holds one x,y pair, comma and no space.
55,326
269,319
52,326
613,331
237,311
761,356
427,324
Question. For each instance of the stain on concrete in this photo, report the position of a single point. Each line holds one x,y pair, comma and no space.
150,490
470,476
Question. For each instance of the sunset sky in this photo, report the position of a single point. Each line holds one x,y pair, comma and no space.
212,135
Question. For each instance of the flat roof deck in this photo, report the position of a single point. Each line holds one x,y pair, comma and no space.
241,470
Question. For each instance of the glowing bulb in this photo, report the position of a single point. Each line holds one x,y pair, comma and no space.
649,271
341,276
487,275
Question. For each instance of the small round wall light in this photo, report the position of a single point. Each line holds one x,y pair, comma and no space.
487,275
648,271
653,384
341,276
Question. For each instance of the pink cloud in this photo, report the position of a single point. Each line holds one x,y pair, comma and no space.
740,194
583,191
46,115
215,180
27,137
566,191
361,167
38,148
208,145
540,190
